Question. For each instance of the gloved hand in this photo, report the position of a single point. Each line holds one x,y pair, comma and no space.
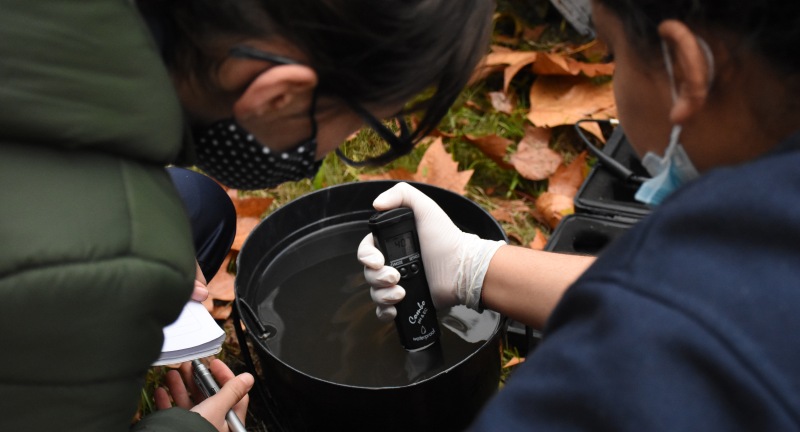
455,262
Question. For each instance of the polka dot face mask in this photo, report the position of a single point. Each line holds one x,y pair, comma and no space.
236,159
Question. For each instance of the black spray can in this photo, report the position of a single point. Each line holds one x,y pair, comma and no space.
395,235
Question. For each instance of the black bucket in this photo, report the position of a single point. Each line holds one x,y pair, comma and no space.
346,370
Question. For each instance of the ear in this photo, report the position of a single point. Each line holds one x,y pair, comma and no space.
692,69
280,91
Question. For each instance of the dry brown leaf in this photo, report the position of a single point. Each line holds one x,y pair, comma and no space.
244,225
594,129
507,209
539,241
568,178
493,146
553,207
595,51
502,102
514,61
438,168
558,100
556,64
551,64
534,159
220,287
499,57
513,362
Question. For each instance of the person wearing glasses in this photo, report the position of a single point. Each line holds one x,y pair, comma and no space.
97,97
688,320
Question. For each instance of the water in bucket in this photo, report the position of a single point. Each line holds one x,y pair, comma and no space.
314,297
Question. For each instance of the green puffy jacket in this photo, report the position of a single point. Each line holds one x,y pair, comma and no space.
95,249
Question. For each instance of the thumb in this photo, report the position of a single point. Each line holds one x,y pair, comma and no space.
234,394
368,254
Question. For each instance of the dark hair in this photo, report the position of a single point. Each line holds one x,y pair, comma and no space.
370,51
768,27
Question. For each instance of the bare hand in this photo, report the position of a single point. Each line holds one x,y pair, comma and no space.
233,393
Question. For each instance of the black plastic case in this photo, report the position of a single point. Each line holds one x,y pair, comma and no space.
604,194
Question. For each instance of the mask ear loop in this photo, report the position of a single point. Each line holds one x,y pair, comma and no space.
675,133
709,60
676,129
670,70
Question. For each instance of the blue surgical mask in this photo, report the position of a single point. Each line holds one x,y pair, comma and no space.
667,173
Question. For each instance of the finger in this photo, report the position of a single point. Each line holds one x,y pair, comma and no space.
386,313
177,389
198,274
187,373
387,296
200,292
400,195
368,254
233,395
162,399
391,198
222,373
385,277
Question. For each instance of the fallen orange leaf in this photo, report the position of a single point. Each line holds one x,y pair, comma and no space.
249,206
244,225
493,146
553,207
539,241
556,64
513,362
220,287
438,168
558,100
534,159
514,61
506,210
568,178
502,102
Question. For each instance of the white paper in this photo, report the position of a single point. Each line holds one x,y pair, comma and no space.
193,335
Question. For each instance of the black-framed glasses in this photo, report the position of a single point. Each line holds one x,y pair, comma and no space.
399,145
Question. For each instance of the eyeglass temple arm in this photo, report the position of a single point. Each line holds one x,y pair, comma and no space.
398,146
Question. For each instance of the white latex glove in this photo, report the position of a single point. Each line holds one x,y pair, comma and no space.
455,262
